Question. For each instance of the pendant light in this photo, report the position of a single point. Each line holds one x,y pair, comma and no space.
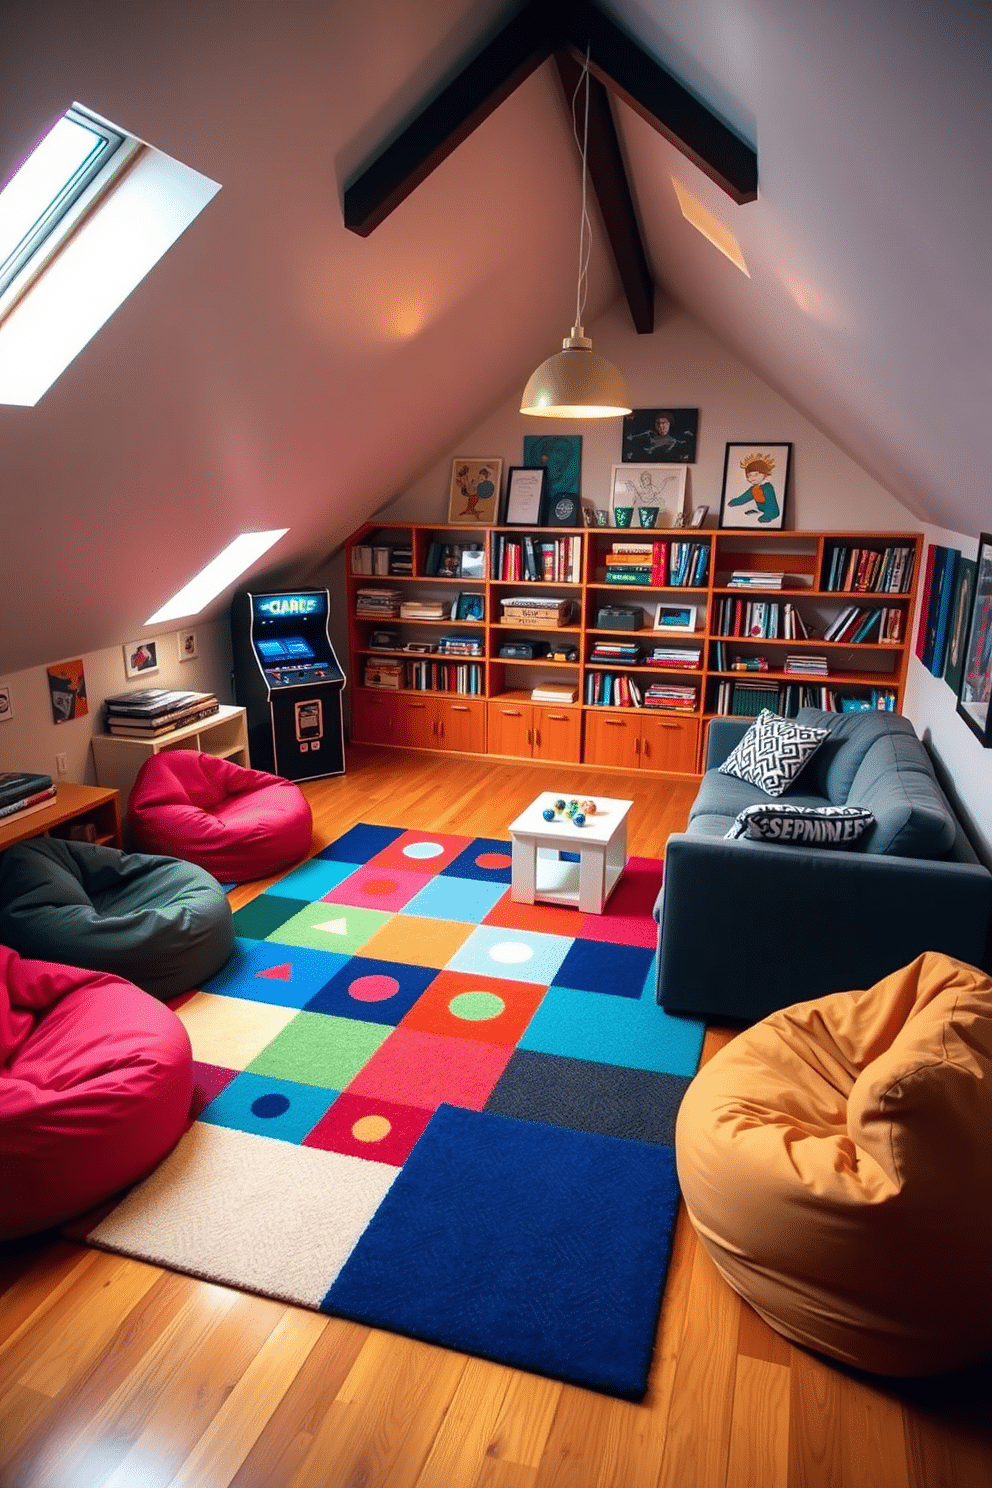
575,383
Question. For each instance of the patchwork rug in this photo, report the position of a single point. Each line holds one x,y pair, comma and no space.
430,1110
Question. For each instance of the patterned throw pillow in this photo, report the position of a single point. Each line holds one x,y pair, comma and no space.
811,826
772,752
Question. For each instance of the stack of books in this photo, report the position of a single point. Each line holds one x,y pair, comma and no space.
425,609
377,604
630,563
155,710
22,789
677,657
670,695
806,666
625,652
748,578
553,692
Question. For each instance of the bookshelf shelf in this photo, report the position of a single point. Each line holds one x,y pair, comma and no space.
802,569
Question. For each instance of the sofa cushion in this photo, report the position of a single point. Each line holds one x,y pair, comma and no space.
772,752
810,826
895,781
725,796
851,735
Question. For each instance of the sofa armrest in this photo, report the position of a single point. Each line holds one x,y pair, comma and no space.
723,735
747,928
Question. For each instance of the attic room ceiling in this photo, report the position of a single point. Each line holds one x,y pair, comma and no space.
277,370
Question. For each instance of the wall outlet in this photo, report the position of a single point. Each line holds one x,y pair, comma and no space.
61,764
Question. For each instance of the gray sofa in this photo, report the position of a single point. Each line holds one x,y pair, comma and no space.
746,927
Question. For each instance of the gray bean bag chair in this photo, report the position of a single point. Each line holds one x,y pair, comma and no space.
160,923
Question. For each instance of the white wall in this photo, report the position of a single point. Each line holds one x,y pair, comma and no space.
30,740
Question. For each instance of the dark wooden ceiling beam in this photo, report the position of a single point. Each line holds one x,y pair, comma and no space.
478,90
609,179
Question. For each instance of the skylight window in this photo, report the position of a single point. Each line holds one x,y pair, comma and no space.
48,184
218,574
711,227
88,214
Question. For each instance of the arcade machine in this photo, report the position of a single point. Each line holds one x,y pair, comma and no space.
288,680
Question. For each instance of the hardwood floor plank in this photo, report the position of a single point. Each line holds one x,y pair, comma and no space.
468,1430
288,1434
758,1341
236,1427
380,1427
873,1437
759,1428
36,1290
816,1453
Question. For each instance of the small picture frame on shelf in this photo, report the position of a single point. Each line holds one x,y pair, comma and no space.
470,607
654,486
562,511
473,498
975,695
473,563
755,482
675,617
526,486
699,515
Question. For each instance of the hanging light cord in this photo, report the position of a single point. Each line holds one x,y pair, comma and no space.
585,226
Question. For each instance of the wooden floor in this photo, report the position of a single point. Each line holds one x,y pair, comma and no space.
117,1373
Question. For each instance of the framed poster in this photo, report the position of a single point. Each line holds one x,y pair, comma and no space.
661,486
964,586
663,436
755,478
975,695
67,690
561,456
525,491
140,658
473,498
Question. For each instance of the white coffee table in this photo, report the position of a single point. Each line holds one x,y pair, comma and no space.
538,872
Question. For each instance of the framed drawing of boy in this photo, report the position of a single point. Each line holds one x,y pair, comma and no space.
473,498
755,479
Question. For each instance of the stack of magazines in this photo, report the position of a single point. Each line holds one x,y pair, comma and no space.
156,710
20,789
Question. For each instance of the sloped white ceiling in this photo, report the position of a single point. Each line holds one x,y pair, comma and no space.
276,370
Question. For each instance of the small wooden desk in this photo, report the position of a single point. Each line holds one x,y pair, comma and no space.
82,804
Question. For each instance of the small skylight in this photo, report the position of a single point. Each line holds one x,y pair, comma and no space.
221,571
82,221
711,227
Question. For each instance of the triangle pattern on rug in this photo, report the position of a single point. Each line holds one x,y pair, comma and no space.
283,973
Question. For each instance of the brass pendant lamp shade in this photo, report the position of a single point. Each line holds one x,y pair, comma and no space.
576,383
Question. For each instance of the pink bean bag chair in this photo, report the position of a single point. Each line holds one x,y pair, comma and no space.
836,1162
96,1079
238,824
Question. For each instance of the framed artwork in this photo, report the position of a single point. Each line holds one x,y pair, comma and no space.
563,510
6,706
526,486
964,587
561,456
140,658
661,486
699,515
473,499
67,690
675,617
755,479
470,607
975,695
939,609
473,563
662,436
188,650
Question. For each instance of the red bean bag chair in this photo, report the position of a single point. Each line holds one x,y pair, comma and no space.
239,824
96,1080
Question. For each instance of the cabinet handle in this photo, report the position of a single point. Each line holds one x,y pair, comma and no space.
615,722
530,732
458,708
637,746
510,712
537,738
558,717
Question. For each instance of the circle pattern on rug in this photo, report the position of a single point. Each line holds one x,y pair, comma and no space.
375,988
511,952
379,888
476,1007
423,850
493,861
371,1128
270,1106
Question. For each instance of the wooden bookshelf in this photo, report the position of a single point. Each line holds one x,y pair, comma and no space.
481,703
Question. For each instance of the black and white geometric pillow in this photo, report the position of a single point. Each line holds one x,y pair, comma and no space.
772,752
811,826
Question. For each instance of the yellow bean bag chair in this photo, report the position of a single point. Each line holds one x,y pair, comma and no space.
836,1163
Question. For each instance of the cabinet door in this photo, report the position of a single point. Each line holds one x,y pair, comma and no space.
462,726
416,723
669,744
612,739
511,729
558,734
373,719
